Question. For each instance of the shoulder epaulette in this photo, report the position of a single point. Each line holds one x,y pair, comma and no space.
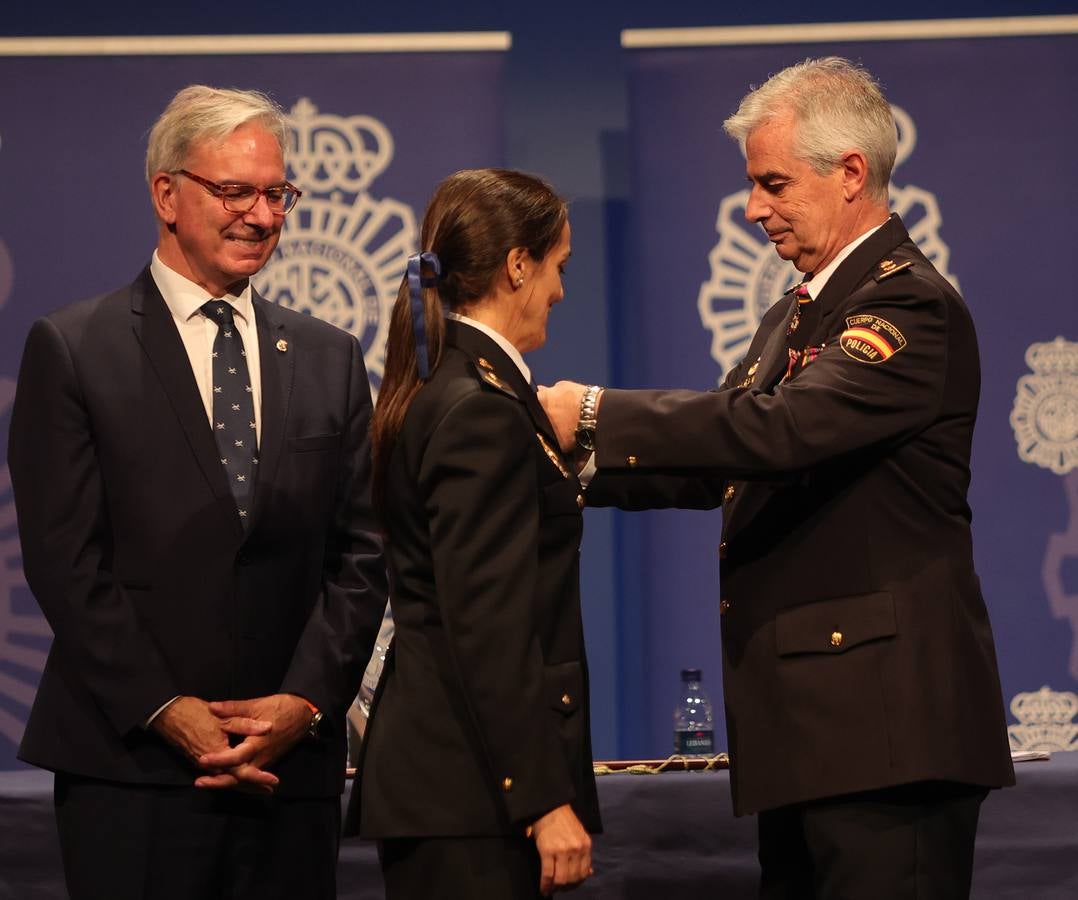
889,267
486,374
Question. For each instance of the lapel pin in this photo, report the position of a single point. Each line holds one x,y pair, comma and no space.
282,345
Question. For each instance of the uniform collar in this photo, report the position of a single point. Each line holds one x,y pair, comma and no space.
819,279
498,339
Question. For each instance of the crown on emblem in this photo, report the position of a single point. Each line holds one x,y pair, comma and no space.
1058,357
1046,720
330,153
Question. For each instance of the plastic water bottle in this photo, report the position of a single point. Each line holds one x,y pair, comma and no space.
693,723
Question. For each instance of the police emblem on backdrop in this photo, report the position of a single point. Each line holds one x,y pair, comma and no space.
1045,423
1045,721
1045,414
24,633
747,276
342,252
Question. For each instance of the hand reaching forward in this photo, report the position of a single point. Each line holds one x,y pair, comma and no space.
564,850
190,725
244,764
562,405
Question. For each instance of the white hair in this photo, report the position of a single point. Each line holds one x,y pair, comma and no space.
199,113
837,106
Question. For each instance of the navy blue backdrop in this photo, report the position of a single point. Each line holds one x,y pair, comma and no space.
566,116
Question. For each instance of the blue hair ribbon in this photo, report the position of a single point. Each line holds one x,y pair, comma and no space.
416,283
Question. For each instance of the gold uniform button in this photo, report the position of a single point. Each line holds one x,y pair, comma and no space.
724,606
580,501
507,784
836,638
722,550
630,461
728,494
566,699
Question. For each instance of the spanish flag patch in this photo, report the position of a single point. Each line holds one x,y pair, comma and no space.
870,339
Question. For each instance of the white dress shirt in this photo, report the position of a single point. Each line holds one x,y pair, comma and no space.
184,300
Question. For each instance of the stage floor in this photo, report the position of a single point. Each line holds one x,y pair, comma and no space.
667,836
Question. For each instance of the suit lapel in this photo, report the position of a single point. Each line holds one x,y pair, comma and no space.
161,343
538,414
277,357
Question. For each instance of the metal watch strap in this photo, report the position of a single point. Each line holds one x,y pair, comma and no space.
586,424
314,727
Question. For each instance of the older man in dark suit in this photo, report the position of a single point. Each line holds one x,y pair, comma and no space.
191,473
862,695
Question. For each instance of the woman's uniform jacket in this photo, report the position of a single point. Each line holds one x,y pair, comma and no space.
480,724
857,651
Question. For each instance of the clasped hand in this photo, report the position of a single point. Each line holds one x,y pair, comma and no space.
269,728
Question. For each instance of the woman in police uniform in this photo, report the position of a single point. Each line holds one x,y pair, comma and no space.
476,772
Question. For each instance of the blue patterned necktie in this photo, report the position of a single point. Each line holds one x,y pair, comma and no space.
233,406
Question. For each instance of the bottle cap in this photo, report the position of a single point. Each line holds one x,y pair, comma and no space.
690,674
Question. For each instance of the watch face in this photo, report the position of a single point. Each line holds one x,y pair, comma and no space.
586,438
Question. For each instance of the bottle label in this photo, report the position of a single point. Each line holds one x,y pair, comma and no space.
688,743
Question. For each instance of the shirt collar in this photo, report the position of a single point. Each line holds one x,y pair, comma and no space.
819,279
498,339
184,298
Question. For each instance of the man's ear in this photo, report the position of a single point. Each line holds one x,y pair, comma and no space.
854,167
163,194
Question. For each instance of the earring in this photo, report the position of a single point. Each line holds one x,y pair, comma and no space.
520,281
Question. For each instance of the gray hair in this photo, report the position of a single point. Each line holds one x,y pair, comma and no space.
199,113
837,106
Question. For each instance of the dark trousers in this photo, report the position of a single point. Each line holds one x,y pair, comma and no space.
460,869
134,842
913,842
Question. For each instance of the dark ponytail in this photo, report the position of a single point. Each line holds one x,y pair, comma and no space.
475,218
401,382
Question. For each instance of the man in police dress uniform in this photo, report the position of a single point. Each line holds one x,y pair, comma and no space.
863,702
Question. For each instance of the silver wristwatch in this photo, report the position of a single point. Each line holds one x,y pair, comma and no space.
585,426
